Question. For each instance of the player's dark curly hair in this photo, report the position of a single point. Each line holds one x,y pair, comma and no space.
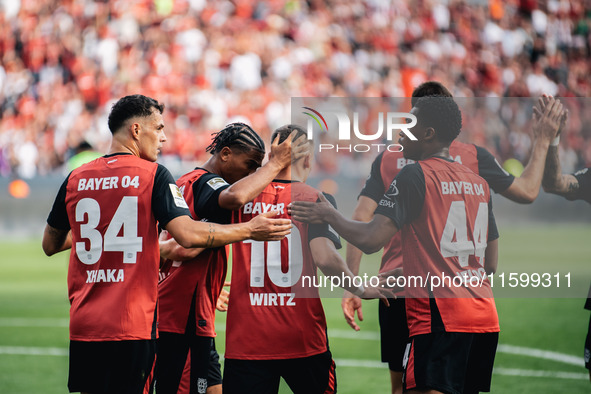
284,131
129,107
441,113
236,135
429,88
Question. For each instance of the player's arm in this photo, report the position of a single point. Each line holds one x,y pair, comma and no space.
555,181
330,262
367,202
170,249
55,240
246,189
192,234
351,303
57,236
401,204
547,121
369,237
172,213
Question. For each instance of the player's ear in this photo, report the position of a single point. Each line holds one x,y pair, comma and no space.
307,161
429,134
225,153
135,129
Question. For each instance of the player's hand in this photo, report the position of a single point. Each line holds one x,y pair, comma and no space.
222,302
382,293
289,150
351,304
311,212
387,282
264,228
549,116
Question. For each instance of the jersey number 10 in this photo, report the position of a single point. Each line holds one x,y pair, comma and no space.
272,260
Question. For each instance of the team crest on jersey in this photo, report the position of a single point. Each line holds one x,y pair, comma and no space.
179,201
216,183
201,385
392,190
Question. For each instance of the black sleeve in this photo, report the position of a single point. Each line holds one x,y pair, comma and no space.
493,232
584,178
58,217
489,168
588,302
404,199
324,230
206,192
167,201
374,185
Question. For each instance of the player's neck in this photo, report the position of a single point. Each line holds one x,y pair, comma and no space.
119,146
212,165
292,173
438,151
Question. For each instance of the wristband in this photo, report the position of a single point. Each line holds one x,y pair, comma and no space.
358,291
555,141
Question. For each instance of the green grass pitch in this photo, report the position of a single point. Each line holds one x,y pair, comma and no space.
541,339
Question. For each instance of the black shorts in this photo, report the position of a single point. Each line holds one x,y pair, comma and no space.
110,366
450,362
214,372
307,375
588,347
393,333
173,350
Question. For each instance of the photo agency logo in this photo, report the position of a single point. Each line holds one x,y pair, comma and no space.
389,125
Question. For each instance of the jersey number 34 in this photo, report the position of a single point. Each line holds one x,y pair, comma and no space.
126,218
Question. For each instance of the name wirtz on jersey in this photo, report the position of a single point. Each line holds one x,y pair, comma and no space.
272,299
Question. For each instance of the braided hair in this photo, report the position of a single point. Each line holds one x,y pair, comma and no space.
236,135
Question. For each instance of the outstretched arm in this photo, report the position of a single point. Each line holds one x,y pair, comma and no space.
190,233
369,237
330,262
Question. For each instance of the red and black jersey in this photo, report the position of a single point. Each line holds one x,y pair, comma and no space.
272,313
112,206
444,214
200,279
388,164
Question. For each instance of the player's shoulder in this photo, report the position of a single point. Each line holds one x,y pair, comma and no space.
303,192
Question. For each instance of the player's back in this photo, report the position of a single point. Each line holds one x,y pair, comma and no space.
448,240
272,314
114,260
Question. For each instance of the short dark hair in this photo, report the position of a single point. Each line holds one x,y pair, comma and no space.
129,107
236,135
442,113
429,88
284,131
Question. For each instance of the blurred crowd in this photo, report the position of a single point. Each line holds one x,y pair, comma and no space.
63,64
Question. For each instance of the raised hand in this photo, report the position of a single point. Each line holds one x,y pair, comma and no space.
549,117
289,150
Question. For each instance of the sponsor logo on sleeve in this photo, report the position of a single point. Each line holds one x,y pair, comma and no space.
179,201
216,183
